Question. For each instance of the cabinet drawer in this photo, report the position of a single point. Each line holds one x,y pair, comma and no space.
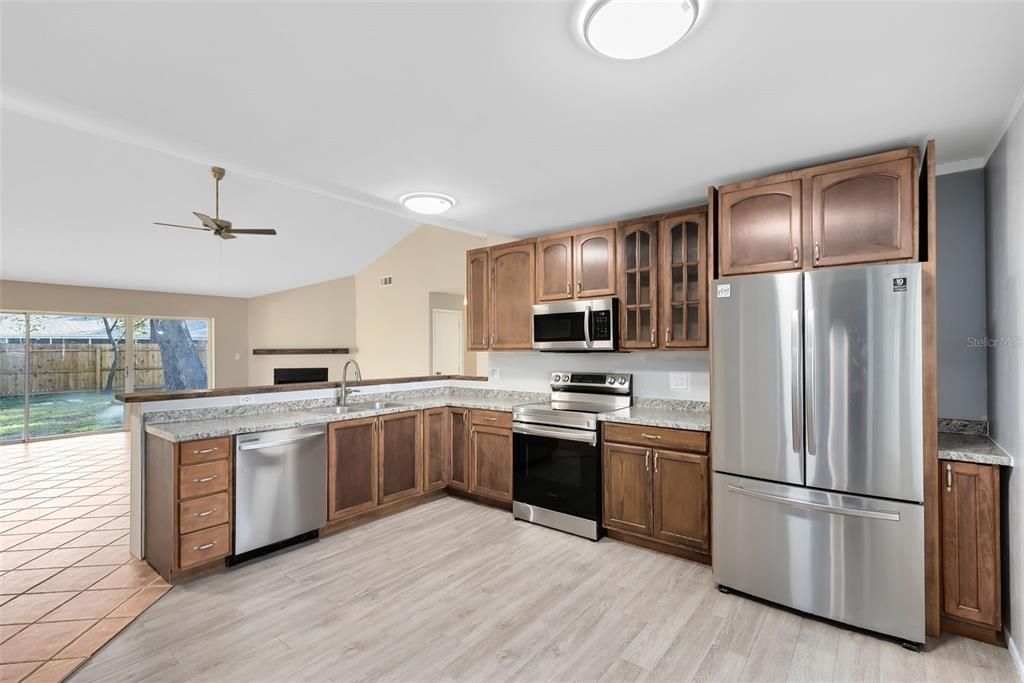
203,546
491,418
202,480
202,513
196,452
656,437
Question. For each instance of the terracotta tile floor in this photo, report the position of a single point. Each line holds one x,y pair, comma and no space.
67,581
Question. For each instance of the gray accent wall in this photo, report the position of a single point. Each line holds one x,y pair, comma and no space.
963,365
1004,208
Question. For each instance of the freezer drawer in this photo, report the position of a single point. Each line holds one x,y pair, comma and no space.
856,560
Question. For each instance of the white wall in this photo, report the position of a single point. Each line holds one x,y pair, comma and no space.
963,367
530,370
1004,203
318,316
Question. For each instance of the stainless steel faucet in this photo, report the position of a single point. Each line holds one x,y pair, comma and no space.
345,391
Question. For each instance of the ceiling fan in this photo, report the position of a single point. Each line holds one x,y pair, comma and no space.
221,227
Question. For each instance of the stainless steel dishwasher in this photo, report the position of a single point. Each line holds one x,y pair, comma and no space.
280,488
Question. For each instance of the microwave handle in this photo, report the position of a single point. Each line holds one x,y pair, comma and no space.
586,327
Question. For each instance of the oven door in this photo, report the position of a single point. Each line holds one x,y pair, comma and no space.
557,469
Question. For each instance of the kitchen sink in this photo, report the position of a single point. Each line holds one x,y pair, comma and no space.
356,407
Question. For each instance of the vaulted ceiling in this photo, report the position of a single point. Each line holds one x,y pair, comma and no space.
324,113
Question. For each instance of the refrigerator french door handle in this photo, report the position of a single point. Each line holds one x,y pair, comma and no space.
887,515
795,382
809,371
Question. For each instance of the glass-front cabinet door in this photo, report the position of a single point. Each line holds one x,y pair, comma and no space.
683,276
638,285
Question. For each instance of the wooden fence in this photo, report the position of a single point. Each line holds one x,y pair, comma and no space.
79,367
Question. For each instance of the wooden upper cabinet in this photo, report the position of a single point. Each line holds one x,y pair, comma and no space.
512,283
554,268
863,214
478,278
458,424
681,499
683,280
627,488
351,467
594,262
401,452
760,228
491,462
970,544
638,285
436,448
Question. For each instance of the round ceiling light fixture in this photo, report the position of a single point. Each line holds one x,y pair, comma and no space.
430,203
634,29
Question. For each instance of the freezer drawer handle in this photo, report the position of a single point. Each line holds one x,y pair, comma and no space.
253,445
817,507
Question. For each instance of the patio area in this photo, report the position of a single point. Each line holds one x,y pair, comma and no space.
67,581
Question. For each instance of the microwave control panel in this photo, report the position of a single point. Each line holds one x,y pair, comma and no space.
602,322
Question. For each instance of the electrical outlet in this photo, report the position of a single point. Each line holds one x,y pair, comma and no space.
679,381
238,356
245,400
495,374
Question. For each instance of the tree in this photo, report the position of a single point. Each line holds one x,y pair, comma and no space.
183,368
112,328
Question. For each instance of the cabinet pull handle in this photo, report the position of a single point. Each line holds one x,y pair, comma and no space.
649,436
654,337
647,460
796,255
817,251
655,461
568,289
492,340
204,451
205,546
491,419
579,286
204,479
668,334
205,514
949,477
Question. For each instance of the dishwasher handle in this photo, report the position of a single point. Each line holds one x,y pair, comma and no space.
256,445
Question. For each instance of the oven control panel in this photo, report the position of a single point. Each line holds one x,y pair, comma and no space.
592,382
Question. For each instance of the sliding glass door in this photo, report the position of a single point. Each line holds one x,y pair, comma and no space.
13,327
59,373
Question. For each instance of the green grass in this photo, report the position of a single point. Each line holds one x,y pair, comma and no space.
66,413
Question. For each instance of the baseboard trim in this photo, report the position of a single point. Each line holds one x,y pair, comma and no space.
658,546
1015,655
973,631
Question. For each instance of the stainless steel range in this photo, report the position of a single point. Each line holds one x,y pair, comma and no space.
557,451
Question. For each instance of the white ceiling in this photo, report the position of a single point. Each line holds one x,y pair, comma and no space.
496,103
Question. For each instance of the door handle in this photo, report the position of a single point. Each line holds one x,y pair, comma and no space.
949,477
809,398
795,380
887,515
647,460
586,327
655,462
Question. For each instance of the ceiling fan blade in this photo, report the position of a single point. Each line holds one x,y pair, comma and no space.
225,235
206,220
253,231
222,222
176,225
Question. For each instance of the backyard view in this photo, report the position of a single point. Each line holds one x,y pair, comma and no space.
73,366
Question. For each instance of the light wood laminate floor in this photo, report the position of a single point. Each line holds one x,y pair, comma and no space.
452,590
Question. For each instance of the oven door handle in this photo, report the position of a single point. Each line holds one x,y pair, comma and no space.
556,433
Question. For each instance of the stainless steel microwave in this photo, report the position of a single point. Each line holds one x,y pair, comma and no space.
585,325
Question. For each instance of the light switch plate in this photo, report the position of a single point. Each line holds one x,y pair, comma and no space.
679,381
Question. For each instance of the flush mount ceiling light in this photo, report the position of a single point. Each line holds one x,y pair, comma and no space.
634,29
427,202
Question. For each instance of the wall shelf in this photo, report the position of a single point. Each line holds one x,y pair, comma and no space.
299,352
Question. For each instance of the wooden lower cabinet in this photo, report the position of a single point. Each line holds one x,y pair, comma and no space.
458,425
188,516
971,580
656,493
491,462
399,456
437,445
351,467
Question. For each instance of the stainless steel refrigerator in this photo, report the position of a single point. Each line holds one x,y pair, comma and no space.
816,410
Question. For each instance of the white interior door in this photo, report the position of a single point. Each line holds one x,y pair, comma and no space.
446,342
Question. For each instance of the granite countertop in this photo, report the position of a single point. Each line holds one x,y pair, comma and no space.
974,448
190,430
693,420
